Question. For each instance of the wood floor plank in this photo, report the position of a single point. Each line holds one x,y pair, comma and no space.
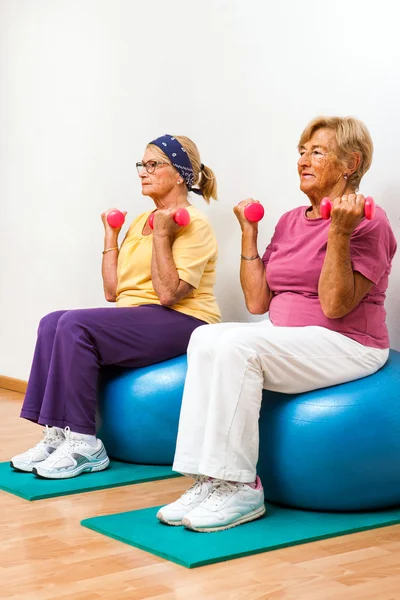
46,554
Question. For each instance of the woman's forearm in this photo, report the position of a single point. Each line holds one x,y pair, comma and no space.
109,268
164,274
336,286
256,292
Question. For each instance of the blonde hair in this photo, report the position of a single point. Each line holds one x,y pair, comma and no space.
204,178
351,136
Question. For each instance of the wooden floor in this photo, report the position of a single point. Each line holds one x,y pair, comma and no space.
46,554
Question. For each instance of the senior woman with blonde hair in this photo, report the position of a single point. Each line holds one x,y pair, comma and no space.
162,281
322,283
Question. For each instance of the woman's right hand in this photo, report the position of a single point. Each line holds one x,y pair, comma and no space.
110,231
239,212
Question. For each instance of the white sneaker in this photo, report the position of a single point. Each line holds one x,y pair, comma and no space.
172,514
73,457
31,458
227,505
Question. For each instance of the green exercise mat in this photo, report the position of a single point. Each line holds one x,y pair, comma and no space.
30,487
280,527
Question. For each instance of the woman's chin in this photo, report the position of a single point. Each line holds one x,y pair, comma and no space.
146,191
305,187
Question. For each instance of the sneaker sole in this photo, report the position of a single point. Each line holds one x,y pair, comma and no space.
88,468
255,514
21,469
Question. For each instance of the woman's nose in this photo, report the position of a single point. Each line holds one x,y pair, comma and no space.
304,159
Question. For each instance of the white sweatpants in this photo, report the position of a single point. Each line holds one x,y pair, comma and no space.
229,365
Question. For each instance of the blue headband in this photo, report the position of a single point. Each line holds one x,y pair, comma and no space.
179,159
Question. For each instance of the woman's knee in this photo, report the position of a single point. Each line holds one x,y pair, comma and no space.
72,320
203,338
231,340
49,322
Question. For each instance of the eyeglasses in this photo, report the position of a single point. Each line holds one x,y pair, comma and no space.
150,166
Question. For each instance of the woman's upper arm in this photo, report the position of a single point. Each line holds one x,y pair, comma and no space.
371,252
362,286
193,250
372,248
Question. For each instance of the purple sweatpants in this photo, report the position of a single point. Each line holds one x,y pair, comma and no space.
72,346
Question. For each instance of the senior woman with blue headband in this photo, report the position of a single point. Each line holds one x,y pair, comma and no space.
161,278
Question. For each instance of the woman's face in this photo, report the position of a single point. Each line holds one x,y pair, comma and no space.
159,183
319,166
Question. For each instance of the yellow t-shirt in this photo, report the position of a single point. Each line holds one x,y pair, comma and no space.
194,251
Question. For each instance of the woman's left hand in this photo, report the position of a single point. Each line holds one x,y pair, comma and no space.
164,224
347,213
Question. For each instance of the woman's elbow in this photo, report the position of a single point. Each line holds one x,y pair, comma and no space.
330,314
110,297
257,305
167,300
332,311
256,308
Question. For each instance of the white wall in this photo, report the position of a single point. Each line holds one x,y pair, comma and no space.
85,84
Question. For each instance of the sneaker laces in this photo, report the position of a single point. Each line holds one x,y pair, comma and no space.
219,491
67,446
196,488
72,438
51,435
67,433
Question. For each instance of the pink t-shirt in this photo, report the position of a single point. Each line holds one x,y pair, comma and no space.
294,260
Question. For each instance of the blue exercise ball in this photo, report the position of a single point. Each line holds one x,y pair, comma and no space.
139,411
334,449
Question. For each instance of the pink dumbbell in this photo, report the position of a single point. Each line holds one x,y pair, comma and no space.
254,212
181,217
116,218
326,207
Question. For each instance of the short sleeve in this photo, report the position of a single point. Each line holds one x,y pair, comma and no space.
280,226
192,249
372,247
267,254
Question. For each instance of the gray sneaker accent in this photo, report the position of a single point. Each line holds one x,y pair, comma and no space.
80,460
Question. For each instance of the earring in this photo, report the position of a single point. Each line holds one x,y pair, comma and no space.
179,182
345,176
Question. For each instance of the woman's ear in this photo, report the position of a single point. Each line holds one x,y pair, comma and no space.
353,162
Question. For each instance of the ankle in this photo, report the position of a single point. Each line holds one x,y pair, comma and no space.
86,437
255,485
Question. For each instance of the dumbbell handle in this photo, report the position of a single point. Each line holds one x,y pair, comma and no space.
181,217
254,212
326,207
